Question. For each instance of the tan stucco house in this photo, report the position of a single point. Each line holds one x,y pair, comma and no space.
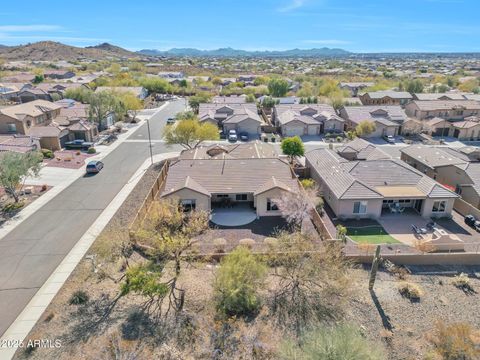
251,173
370,188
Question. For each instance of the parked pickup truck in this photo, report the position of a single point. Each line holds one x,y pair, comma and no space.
78,144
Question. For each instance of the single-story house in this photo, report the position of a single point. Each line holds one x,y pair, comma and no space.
386,98
368,188
208,181
467,129
242,117
360,149
59,74
388,120
232,99
306,119
439,96
27,95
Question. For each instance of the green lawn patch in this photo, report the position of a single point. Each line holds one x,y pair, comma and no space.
374,234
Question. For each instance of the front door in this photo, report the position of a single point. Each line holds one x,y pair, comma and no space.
456,133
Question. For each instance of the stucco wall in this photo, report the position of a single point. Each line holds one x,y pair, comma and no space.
345,209
428,205
261,202
202,201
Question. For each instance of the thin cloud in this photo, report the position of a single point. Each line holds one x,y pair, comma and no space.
294,4
28,28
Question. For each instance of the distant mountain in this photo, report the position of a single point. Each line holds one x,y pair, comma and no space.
50,50
229,52
113,49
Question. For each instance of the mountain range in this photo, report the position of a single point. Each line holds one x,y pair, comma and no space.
50,50
230,52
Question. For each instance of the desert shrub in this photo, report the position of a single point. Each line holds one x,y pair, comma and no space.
79,297
91,150
13,207
236,286
311,283
462,282
219,244
248,243
47,153
342,342
455,341
410,290
308,183
339,139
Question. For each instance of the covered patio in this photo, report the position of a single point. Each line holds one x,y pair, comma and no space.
240,213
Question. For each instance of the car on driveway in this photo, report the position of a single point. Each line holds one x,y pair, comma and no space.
243,136
232,135
94,167
78,144
171,121
389,139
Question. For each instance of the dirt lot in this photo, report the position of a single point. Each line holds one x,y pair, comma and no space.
7,202
403,326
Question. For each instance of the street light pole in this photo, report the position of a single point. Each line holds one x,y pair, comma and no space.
149,140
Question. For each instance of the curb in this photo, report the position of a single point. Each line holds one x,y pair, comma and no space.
44,199
27,319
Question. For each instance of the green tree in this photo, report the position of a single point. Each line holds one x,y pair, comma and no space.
190,133
365,128
103,104
38,79
195,101
156,85
130,103
278,87
14,167
293,147
341,342
238,280
81,94
414,86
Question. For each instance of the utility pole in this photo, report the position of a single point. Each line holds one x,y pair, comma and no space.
149,141
373,271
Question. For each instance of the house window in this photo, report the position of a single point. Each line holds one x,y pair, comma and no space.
271,206
29,123
221,196
188,204
12,128
439,206
359,207
241,197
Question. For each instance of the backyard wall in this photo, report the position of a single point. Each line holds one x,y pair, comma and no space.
423,259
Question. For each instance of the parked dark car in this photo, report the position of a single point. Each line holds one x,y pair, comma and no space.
243,136
471,221
78,144
94,167
171,121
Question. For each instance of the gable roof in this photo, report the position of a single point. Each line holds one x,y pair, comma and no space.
391,115
389,93
372,179
219,176
32,108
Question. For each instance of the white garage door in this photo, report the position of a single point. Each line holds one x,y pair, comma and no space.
293,131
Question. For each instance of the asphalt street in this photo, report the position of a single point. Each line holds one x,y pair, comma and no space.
32,251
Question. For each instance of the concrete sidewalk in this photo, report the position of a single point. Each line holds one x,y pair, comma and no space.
60,178
27,319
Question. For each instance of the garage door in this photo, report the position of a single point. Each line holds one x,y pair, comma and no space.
293,131
313,129
251,127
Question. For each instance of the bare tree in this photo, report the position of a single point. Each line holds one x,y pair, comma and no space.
295,207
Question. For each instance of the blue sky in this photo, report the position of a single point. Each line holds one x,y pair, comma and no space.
355,25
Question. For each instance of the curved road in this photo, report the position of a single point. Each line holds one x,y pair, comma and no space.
32,251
